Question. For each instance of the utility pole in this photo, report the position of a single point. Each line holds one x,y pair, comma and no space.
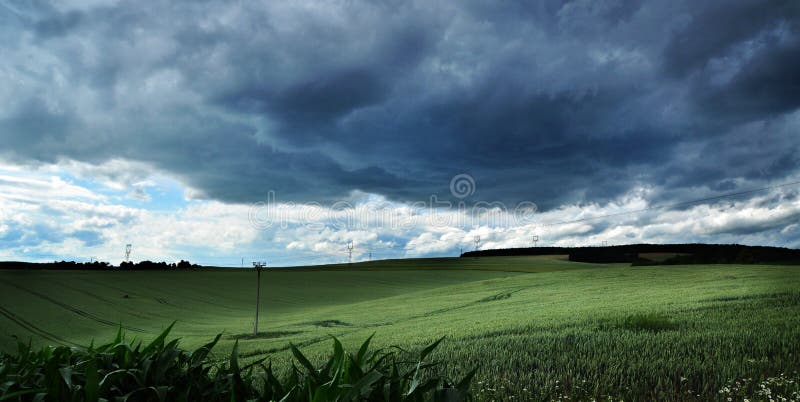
350,252
258,266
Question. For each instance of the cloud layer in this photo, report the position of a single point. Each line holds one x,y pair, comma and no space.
49,214
559,103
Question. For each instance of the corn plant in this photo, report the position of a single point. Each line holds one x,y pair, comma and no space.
380,375
160,371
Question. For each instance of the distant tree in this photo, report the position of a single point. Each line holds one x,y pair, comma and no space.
745,256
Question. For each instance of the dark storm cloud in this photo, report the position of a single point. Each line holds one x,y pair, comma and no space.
59,24
32,130
553,102
716,27
767,84
306,108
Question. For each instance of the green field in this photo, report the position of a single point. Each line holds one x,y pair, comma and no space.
538,327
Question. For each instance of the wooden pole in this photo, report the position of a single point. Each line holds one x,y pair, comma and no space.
258,297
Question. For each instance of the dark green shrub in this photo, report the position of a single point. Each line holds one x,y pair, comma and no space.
647,322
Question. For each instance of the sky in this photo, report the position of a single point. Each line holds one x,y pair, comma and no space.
232,132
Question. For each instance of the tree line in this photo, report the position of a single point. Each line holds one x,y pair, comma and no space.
694,253
100,265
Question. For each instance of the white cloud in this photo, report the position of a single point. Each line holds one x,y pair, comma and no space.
44,216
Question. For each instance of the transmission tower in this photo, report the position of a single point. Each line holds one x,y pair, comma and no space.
128,252
535,240
350,252
477,243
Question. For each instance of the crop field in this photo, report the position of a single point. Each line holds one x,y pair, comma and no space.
538,328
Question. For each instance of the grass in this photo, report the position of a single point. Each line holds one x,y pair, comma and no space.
537,327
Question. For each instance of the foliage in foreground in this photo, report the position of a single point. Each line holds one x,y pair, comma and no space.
161,371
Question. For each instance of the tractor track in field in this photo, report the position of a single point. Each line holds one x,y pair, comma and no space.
102,299
302,344
76,310
500,296
33,328
159,300
129,310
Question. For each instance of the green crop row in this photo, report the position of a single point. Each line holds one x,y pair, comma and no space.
161,371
